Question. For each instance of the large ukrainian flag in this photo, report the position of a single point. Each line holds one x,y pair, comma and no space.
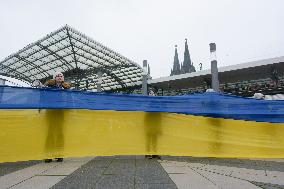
49,123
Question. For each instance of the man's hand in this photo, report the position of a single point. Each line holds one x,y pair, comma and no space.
37,84
66,85
49,83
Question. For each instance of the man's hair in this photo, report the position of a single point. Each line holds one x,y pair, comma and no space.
57,73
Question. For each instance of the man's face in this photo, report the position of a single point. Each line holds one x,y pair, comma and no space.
59,78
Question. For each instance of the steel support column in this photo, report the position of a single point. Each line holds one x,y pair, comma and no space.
214,68
144,78
99,84
2,81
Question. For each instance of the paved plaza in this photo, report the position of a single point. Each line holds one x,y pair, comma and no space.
136,172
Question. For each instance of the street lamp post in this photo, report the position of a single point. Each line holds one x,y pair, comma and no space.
144,78
99,84
214,68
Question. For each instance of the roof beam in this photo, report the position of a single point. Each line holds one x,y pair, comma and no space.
50,68
106,54
115,65
75,59
29,63
102,46
18,74
104,70
60,58
35,52
39,59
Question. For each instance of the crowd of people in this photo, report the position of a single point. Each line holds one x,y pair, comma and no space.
249,89
245,88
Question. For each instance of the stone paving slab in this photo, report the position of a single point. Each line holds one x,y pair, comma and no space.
6,168
192,180
222,181
150,171
66,167
39,182
275,174
115,181
42,175
267,159
155,186
173,163
258,164
271,177
267,186
121,166
224,170
118,172
176,170
195,165
250,174
139,173
85,177
241,173
19,176
185,177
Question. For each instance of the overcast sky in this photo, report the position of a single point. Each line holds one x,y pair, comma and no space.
244,30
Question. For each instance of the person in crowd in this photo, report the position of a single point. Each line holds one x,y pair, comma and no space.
153,130
55,121
258,96
58,82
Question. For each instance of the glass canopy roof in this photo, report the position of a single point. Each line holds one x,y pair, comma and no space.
78,57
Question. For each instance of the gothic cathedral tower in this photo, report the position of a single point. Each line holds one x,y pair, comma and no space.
176,67
186,66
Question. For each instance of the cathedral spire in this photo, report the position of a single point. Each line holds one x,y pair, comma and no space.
176,53
176,65
187,64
